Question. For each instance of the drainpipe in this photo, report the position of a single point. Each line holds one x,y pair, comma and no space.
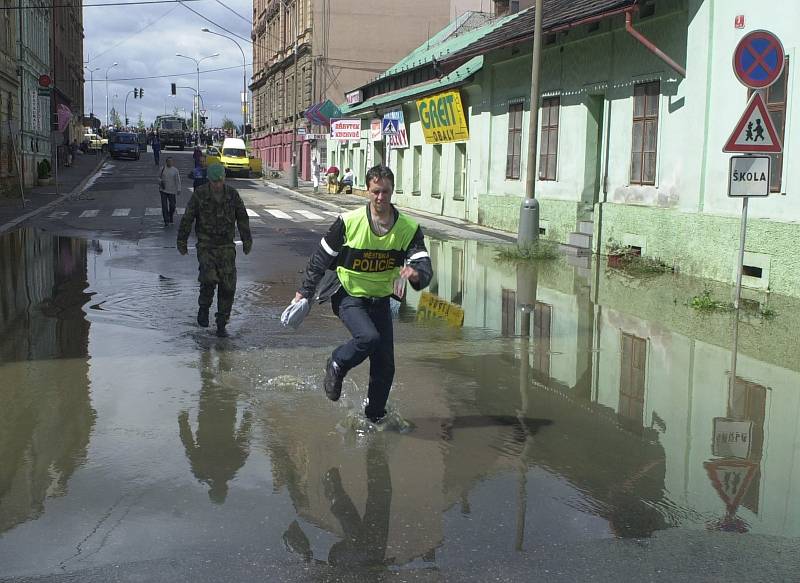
648,44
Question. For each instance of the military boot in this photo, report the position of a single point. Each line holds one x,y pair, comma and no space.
221,331
202,316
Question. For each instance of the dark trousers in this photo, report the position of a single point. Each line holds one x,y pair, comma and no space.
369,321
217,272
156,154
167,206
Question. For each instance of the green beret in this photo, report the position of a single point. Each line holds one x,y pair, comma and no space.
216,171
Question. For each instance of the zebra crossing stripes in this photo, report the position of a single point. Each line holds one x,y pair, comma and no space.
252,213
121,212
331,213
308,215
89,214
152,211
279,214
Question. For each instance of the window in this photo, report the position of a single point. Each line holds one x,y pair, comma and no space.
776,105
542,335
508,323
416,162
436,162
514,152
457,276
548,146
398,171
460,171
645,130
632,379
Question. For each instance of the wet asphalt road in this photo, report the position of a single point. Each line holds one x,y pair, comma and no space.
547,423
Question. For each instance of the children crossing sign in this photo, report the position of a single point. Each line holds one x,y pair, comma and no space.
755,133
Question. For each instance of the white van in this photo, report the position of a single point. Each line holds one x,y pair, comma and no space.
234,157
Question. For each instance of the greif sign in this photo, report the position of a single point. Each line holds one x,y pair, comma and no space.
442,118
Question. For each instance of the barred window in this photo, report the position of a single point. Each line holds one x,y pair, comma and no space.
645,132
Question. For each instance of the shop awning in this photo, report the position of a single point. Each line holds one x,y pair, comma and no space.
321,113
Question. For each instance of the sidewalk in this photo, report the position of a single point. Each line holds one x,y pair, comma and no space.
41,198
448,225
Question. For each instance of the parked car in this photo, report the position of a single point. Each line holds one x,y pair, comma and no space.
234,157
123,144
93,141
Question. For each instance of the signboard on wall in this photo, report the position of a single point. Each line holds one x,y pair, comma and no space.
346,129
732,438
354,97
399,139
442,118
375,134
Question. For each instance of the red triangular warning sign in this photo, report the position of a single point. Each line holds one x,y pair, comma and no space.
731,479
755,133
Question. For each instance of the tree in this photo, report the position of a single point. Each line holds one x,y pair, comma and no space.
115,119
140,123
176,112
227,124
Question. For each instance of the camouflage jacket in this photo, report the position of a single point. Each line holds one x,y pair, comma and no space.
214,221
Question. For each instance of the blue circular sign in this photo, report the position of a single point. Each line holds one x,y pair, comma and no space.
759,59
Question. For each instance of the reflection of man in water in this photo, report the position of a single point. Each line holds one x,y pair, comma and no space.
219,449
365,538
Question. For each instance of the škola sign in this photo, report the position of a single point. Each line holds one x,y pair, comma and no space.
442,118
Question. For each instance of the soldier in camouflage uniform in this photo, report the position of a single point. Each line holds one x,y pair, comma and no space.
217,209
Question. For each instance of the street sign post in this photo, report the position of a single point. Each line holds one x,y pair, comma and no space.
759,59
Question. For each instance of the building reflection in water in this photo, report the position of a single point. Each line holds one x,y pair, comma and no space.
221,444
637,386
46,416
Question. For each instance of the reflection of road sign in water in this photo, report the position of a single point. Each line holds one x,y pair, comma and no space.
755,133
731,478
732,438
758,60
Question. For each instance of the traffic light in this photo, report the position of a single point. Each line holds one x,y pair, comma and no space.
127,122
174,89
141,92
135,93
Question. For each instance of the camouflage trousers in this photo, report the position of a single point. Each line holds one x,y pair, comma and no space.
217,271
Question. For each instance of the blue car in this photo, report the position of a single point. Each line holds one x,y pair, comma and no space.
123,144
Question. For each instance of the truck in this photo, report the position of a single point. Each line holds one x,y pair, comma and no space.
172,131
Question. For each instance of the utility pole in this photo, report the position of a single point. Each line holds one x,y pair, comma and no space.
528,231
293,168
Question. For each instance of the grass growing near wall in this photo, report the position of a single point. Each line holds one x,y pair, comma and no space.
539,251
706,303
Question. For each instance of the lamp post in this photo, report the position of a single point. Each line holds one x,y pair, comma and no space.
107,70
293,167
91,85
197,98
244,79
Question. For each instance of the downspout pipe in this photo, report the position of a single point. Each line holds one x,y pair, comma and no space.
650,46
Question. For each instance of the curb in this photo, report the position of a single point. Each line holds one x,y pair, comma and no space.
21,219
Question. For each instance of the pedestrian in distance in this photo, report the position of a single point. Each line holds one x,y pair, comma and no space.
347,181
368,254
199,177
197,156
169,185
215,210
156,145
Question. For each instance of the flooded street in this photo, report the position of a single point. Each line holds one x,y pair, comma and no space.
555,421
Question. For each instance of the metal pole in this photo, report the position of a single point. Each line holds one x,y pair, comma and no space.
197,109
528,231
293,168
106,98
91,84
742,235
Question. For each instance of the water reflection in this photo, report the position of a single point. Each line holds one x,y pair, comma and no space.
46,416
220,446
646,421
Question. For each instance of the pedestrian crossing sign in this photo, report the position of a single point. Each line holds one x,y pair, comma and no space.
391,127
755,133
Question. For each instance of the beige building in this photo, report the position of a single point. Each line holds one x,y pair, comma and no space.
340,45
66,60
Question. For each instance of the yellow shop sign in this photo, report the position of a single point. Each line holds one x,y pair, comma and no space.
442,117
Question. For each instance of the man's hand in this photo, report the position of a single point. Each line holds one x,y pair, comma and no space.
247,246
182,248
409,273
297,297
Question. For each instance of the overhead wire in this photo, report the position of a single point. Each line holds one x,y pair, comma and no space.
135,2
146,26
192,73
247,20
181,2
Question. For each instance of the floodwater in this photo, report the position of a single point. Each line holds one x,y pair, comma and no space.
547,420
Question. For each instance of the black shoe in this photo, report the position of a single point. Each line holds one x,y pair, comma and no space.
221,331
333,380
377,419
202,317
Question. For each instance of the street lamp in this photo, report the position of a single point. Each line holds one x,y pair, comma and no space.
107,70
293,167
244,78
91,84
197,99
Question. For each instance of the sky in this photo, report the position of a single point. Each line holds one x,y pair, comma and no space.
143,40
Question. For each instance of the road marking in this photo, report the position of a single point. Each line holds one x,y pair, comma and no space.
152,211
91,213
58,215
279,214
252,213
308,215
121,212
180,210
331,213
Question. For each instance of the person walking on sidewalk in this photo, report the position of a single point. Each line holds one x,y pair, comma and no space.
169,187
156,145
215,209
371,249
347,181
